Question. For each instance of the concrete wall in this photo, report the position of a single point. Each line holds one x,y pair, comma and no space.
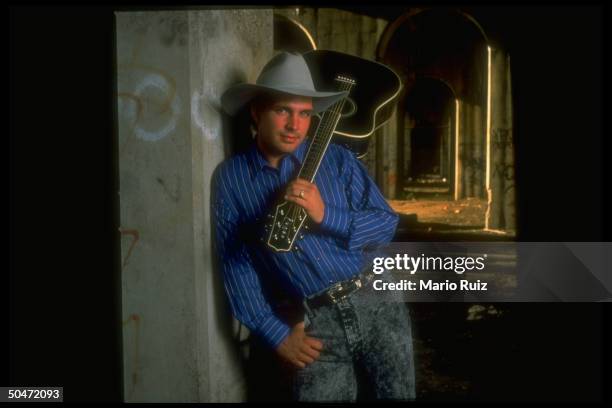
172,66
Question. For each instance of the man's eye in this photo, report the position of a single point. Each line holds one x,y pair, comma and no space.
280,110
306,114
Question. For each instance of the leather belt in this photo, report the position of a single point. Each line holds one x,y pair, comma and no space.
339,290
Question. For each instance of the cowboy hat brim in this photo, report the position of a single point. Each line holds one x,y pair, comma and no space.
238,95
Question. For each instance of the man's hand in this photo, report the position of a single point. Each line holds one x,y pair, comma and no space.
306,195
298,348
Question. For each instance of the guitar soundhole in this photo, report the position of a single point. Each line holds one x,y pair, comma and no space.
349,109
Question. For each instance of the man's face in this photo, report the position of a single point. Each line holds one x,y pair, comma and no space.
282,124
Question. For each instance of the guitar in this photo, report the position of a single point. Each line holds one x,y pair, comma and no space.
370,104
289,217
365,109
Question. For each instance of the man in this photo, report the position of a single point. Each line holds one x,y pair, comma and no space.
344,330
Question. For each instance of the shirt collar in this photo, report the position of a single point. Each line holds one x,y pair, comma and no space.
258,162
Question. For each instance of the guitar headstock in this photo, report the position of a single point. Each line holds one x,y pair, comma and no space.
345,82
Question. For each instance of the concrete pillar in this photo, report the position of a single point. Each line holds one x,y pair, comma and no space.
370,158
389,159
509,190
445,144
172,66
501,140
458,150
379,176
467,146
405,169
478,140
465,152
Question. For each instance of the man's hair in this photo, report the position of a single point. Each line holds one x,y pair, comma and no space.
264,100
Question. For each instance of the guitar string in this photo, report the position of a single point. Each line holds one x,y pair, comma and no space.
317,145
336,110
327,123
319,142
322,143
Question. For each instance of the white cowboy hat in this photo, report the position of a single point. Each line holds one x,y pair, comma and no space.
286,73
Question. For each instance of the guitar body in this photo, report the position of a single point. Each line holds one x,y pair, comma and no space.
371,101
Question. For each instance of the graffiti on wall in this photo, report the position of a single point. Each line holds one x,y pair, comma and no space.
205,117
152,106
502,147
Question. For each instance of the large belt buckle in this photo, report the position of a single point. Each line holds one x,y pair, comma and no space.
334,292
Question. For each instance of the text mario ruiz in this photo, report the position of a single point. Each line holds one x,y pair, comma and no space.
413,264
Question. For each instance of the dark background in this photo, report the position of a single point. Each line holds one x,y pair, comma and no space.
64,311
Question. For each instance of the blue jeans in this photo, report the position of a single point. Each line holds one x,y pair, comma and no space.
367,339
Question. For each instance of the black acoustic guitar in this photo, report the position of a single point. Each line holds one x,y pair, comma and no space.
370,104
372,89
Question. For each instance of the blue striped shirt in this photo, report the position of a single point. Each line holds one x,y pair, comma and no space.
356,218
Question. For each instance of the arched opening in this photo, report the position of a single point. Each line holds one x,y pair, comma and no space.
290,35
429,135
443,117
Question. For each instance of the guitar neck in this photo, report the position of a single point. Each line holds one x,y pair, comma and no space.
318,146
323,136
